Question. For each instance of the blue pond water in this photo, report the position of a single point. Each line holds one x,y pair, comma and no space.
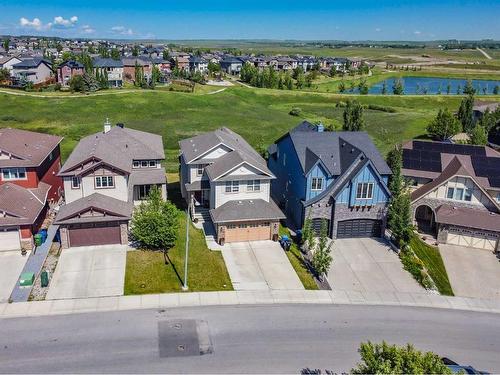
433,86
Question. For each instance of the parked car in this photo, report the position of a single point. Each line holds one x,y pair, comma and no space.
460,369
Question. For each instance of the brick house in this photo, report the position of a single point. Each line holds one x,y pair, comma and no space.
68,70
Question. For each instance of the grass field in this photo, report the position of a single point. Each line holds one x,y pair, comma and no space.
259,115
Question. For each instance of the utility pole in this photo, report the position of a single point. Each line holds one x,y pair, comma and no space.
185,286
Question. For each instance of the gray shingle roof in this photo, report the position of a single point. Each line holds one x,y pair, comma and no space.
107,63
30,148
118,147
31,63
195,147
246,210
115,209
336,150
21,205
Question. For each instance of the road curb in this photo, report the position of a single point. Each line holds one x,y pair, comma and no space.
258,297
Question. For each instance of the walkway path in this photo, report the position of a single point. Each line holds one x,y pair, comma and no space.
34,264
216,91
484,53
255,297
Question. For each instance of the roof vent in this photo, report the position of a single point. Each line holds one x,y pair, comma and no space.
352,150
107,126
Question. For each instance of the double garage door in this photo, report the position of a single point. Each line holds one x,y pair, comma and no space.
470,238
9,239
359,228
92,234
253,231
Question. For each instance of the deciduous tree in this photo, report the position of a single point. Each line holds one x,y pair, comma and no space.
353,116
444,126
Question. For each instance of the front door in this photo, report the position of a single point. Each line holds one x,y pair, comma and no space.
205,198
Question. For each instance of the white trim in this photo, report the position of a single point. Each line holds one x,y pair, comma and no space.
239,165
207,151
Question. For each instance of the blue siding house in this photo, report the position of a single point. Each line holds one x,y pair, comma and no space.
339,177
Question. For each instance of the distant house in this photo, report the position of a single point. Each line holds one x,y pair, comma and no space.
339,177
68,70
287,63
231,65
36,70
198,64
29,163
129,65
456,192
104,177
8,62
113,68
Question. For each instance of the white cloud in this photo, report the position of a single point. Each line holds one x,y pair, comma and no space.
63,23
417,32
34,24
122,30
87,29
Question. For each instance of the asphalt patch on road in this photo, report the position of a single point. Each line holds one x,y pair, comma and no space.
183,338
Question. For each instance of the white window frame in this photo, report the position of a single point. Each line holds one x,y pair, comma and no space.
253,186
11,172
78,182
317,183
232,187
144,164
136,164
364,190
199,169
109,182
152,164
143,192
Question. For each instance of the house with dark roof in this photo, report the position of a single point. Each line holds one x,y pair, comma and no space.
197,64
231,65
29,163
455,192
226,183
8,62
113,69
339,177
68,70
106,175
35,70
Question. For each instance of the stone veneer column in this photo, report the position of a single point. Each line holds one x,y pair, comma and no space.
64,235
124,233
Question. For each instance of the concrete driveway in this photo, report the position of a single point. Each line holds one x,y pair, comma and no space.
89,271
368,265
259,265
11,265
472,272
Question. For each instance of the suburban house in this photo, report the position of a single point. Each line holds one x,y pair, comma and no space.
456,192
8,62
198,64
113,68
231,65
339,177
104,177
29,163
68,70
36,70
221,173
129,65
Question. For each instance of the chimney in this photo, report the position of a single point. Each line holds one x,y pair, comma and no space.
320,128
107,126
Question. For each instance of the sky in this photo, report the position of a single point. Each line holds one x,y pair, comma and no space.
221,19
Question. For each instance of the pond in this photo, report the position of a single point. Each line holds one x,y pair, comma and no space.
434,86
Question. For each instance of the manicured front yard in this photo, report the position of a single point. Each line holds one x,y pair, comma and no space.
146,271
433,262
297,261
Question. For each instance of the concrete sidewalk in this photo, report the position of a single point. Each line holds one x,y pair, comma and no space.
256,297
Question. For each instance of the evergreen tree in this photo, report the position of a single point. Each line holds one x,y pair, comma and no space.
322,259
444,126
469,88
479,135
155,76
288,81
6,44
448,88
115,54
299,80
496,90
353,116
342,86
384,88
138,75
363,86
166,55
135,50
465,114
397,87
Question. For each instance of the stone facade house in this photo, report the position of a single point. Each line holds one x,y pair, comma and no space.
106,175
456,192
226,182
339,177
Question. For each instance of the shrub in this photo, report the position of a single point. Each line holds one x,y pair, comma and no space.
383,108
415,266
295,111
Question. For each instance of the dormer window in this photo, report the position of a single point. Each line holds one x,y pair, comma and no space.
144,164
136,164
152,164
317,183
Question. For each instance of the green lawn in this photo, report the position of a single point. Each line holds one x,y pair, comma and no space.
146,271
295,257
433,262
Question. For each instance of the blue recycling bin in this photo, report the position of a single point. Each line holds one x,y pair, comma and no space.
43,232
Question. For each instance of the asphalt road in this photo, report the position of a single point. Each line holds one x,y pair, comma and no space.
264,339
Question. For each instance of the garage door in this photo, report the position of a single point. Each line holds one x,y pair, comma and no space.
9,239
359,228
470,238
94,234
248,232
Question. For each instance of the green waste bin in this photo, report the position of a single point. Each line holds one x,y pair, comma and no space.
44,279
27,279
38,239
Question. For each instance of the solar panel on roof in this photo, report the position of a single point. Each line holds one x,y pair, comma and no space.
494,181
